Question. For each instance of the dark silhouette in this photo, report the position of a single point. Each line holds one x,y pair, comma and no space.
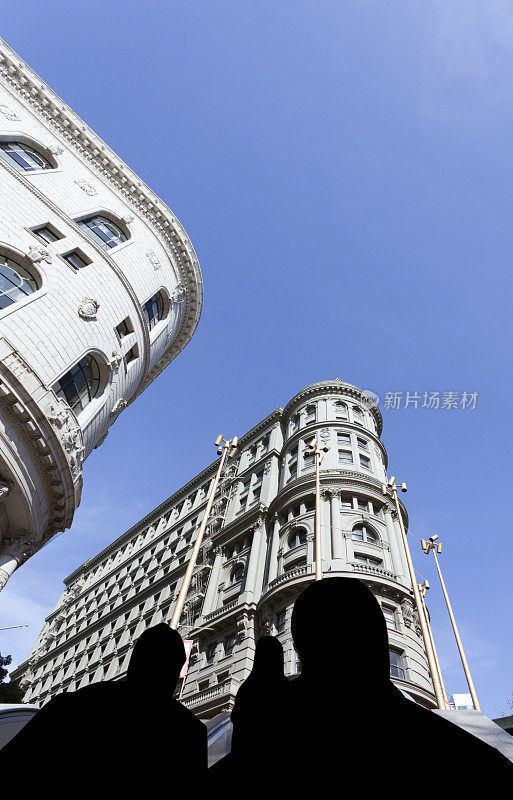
342,720
118,736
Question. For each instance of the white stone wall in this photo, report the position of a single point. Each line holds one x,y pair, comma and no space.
134,583
49,331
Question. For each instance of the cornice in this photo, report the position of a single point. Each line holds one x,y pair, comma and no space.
73,131
333,387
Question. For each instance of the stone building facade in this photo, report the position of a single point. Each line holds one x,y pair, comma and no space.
257,555
100,289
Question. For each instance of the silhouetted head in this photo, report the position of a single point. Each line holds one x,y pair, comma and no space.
339,630
157,659
268,660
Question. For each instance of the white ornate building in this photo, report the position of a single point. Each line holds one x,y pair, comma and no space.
258,554
100,289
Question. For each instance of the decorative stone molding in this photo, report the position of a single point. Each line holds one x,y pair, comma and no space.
36,254
243,626
8,113
86,187
118,407
127,219
153,259
267,466
324,435
179,293
69,432
115,360
88,308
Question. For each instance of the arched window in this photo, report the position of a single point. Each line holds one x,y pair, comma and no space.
153,310
296,538
23,157
105,232
80,384
340,410
15,282
237,574
362,533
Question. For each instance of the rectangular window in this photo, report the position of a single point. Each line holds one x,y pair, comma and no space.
345,456
362,443
202,686
76,259
361,559
311,414
309,506
293,462
132,354
229,645
365,462
346,502
243,498
124,328
256,489
390,616
343,438
309,460
47,234
211,653
223,677
397,665
362,505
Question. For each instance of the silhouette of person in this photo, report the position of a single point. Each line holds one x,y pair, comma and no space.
125,735
343,720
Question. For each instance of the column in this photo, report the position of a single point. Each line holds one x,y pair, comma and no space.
273,554
337,542
215,574
254,557
392,541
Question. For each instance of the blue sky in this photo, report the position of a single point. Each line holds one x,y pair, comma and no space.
344,170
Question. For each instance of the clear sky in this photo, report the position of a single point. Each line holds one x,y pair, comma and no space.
345,173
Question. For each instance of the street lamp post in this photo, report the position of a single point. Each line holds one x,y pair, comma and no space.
392,488
317,452
423,590
432,545
226,448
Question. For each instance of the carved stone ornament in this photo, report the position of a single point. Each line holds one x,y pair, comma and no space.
88,308
8,113
127,219
4,489
243,626
36,254
69,433
118,407
179,293
324,435
57,151
87,188
265,622
267,467
116,360
153,259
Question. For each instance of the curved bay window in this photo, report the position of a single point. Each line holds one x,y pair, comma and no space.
105,232
80,384
23,157
16,282
153,310
362,533
296,538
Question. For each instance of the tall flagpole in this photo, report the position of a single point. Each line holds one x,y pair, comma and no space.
436,547
226,448
318,453
392,488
